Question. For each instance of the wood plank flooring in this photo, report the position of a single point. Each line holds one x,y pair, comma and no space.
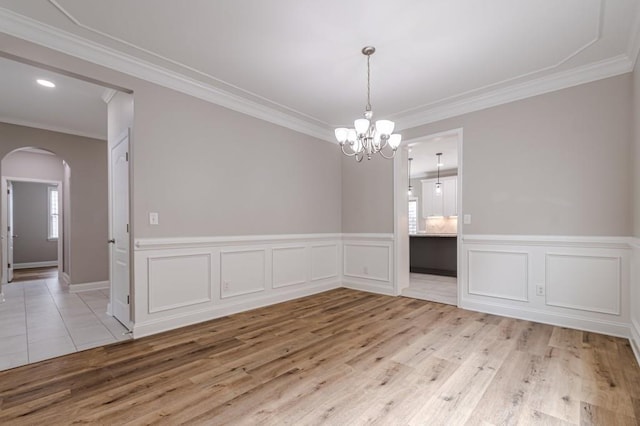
342,357
30,274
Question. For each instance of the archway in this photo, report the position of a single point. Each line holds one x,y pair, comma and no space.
42,179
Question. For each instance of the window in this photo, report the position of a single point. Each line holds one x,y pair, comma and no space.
53,213
413,216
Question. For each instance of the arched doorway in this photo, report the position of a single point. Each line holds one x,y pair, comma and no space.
36,186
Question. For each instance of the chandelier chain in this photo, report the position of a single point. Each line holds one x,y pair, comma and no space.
368,84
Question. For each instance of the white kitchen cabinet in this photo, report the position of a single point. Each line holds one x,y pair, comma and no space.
444,203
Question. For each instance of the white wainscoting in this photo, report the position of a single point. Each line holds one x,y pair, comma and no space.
585,281
368,262
184,281
635,297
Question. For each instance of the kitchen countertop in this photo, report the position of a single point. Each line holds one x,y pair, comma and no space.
433,235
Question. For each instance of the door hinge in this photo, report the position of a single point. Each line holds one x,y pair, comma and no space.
127,227
126,155
8,265
127,299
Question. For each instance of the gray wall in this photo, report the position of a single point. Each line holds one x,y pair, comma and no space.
87,159
367,195
211,171
21,164
636,150
31,215
554,164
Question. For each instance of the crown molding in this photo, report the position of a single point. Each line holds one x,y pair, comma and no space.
576,76
54,38
56,129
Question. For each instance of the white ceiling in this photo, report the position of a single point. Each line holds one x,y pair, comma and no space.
73,106
298,62
424,155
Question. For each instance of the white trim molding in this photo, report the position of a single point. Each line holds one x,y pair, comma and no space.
54,38
81,287
571,281
214,90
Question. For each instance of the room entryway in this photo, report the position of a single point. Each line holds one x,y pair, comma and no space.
428,202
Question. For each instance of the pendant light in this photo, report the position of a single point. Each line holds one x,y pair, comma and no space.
409,176
438,184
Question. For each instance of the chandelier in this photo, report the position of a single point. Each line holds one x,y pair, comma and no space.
367,138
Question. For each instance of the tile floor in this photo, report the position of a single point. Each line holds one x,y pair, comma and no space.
40,319
435,288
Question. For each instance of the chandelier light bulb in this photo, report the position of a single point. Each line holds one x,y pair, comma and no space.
394,141
341,134
384,127
361,125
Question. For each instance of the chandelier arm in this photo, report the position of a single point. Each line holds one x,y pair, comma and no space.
393,154
359,159
346,153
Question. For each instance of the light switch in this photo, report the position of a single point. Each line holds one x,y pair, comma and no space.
153,218
467,219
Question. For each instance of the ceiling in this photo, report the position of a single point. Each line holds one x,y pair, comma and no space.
73,106
424,155
298,63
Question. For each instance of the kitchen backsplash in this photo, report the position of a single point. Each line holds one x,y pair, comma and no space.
441,225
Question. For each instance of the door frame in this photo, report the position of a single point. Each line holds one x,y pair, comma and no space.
4,247
401,208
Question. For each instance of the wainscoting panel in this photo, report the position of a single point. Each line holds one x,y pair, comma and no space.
182,281
368,262
324,261
590,283
179,281
635,297
578,282
242,272
289,266
500,274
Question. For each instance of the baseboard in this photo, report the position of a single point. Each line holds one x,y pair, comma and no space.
167,323
65,278
370,287
29,265
635,340
79,288
619,329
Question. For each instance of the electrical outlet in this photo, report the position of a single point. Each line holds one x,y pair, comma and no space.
153,218
225,286
540,290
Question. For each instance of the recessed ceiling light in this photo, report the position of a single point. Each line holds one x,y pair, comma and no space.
45,83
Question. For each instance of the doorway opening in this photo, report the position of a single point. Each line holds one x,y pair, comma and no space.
32,215
78,119
428,202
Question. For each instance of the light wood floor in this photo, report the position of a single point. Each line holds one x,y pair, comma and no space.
339,358
30,274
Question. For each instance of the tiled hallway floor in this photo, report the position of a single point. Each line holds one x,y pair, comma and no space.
40,319
435,288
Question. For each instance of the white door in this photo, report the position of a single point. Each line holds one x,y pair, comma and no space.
120,231
10,231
